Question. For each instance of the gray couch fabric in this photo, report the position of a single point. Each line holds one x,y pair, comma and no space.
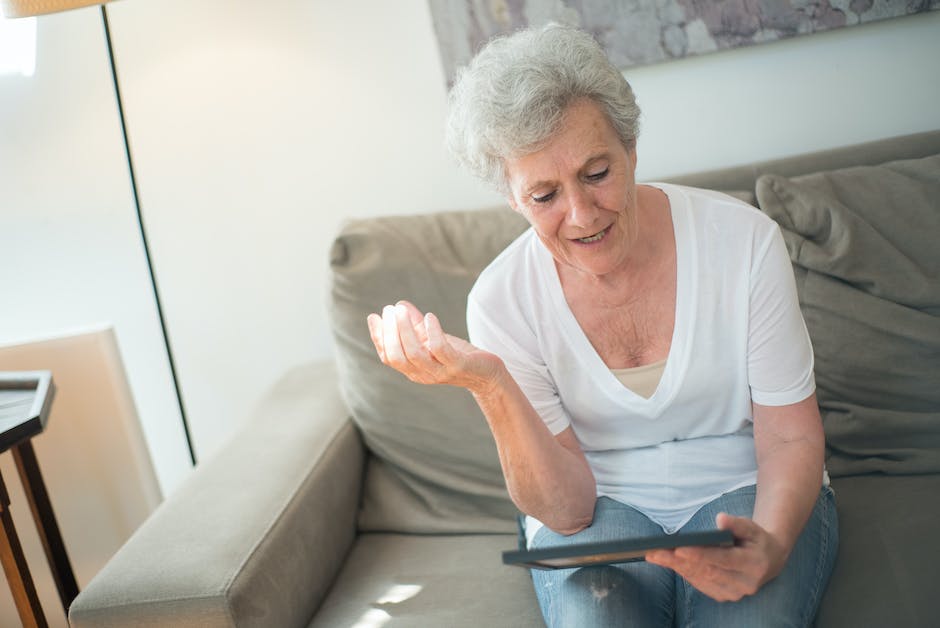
429,581
886,571
863,241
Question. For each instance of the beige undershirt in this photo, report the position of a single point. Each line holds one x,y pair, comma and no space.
642,380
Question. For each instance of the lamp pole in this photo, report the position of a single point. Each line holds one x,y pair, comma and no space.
143,234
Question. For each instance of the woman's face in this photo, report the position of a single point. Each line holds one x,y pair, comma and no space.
579,192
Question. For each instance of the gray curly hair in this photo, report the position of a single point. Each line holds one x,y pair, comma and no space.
510,100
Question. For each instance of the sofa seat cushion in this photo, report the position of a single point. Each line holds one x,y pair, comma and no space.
863,242
888,549
414,581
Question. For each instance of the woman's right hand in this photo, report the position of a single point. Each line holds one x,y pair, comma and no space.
415,345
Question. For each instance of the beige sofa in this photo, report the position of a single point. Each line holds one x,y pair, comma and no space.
358,499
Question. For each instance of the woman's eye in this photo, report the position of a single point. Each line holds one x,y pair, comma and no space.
597,176
543,198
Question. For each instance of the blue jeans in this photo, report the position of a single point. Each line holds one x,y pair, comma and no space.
643,594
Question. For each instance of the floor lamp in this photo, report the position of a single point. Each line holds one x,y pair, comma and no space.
29,8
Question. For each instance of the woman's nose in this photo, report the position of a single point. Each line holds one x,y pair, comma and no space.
581,209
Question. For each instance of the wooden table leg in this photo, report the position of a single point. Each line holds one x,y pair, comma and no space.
46,524
16,569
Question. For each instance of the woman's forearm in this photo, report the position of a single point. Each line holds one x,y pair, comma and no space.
548,476
790,455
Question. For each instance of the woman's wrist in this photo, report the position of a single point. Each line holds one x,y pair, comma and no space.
492,385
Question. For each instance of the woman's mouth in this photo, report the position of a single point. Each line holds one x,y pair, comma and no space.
595,237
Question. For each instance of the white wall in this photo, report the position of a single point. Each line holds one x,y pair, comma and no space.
258,128
812,92
70,254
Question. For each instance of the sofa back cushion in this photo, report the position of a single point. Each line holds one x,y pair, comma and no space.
864,244
434,467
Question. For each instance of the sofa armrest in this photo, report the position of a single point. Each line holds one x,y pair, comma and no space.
256,535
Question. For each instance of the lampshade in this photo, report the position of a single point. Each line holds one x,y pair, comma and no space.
28,8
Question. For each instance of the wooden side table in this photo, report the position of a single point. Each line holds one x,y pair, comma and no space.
25,400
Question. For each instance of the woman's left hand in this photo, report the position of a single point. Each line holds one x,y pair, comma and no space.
727,574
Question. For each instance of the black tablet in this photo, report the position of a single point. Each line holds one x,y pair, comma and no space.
610,552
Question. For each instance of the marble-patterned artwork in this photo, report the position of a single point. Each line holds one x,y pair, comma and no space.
636,32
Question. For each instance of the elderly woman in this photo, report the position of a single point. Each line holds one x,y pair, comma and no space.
639,355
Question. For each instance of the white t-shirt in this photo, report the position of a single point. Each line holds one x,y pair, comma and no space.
738,336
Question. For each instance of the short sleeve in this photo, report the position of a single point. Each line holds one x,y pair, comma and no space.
516,345
779,352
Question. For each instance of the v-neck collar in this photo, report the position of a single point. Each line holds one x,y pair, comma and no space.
686,300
